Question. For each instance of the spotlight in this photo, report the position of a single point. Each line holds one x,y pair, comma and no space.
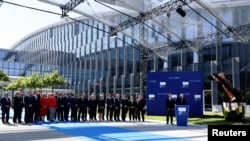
168,14
181,11
113,35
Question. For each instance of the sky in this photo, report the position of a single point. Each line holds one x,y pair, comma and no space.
16,22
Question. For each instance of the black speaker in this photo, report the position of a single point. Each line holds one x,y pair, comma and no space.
181,12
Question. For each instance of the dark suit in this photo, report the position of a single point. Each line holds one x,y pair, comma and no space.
18,107
60,110
35,107
110,108
73,108
170,109
92,107
141,109
28,105
83,105
101,106
132,106
181,101
117,109
124,108
66,104
6,104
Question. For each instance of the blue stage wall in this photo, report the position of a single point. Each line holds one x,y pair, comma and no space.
159,84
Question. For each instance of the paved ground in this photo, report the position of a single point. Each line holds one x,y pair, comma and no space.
115,131
101,131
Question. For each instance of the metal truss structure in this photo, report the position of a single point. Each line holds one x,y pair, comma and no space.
241,30
143,69
157,11
162,9
70,6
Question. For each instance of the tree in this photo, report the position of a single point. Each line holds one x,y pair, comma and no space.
54,79
4,76
35,81
21,82
11,86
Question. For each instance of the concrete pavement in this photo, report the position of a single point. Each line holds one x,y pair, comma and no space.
101,131
133,131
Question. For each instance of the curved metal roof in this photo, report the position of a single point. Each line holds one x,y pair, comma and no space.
164,27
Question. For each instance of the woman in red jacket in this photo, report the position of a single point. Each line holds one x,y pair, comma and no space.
44,106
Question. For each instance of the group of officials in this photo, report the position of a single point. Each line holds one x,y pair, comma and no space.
40,106
170,102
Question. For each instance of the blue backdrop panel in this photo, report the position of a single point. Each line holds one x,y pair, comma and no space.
159,84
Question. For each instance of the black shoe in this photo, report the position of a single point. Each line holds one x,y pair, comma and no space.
172,123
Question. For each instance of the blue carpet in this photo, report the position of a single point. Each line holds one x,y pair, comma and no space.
97,132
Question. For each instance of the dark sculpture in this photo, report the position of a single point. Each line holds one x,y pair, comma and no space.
232,95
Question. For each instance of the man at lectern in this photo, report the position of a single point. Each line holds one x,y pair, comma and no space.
170,108
181,100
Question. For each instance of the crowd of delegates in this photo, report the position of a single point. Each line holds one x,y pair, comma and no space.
41,106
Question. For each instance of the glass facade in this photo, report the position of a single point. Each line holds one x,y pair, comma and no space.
88,58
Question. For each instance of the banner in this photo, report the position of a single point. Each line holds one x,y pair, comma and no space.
159,84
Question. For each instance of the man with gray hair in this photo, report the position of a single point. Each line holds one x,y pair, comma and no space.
6,104
181,100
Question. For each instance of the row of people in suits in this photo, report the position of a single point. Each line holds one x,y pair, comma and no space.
39,105
109,107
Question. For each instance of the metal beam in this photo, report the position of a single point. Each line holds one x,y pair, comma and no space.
1,2
70,6
241,30
157,11
230,29
183,43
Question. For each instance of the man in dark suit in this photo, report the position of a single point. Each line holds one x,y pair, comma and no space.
73,107
117,107
110,107
28,105
18,107
170,108
124,103
83,105
181,100
141,105
132,105
60,107
66,105
6,104
35,106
